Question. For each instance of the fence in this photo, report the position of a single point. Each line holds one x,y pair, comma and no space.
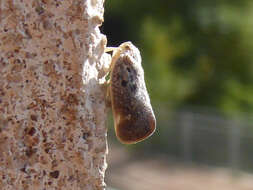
208,139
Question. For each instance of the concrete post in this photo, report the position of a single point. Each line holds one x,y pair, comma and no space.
52,105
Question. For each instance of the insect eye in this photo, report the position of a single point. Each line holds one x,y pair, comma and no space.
127,47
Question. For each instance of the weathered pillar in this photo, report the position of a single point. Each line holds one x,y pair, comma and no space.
52,108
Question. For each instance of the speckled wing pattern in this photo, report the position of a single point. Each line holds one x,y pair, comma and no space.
134,119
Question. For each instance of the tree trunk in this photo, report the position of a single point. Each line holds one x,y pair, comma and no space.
52,107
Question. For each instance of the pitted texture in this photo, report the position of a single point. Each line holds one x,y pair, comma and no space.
52,111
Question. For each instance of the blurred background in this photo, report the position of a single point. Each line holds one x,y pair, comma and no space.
198,63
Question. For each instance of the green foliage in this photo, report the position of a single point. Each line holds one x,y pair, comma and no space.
196,53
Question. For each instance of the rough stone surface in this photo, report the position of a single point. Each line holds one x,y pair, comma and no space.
52,107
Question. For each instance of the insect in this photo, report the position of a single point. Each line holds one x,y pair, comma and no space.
134,119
